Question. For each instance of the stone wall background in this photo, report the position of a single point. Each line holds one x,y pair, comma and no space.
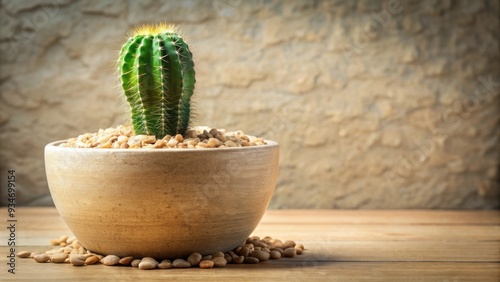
376,104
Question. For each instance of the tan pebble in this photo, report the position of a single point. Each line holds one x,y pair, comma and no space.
63,244
92,260
261,255
274,255
245,144
238,260
206,257
230,143
110,260
218,255
289,244
146,265
54,242
219,261
298,250
179,138
244,137
249,246
300,246
193,142
23,254
160,144
126,260
206,264
58,258
260,244
77,260
33,254
172,143
194,259
180,263
150,259
165,264
41,257
135,262
213,142
245,251
251,260
202,145
213,131
280,250
233,255
76,244
228,258
266,250
192,134
290,252
151,139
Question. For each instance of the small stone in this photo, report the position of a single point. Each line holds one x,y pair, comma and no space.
194,259
23,254
274,255
165,264
126,260
146,265
110,260
91,260
206,264
251,260
213,142
261,255
135,262
77,260
41,258
219,261
290,252
180,263
58,258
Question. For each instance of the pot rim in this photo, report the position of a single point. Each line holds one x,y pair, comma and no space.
55,145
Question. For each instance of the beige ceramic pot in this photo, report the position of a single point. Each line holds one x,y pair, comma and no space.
163,203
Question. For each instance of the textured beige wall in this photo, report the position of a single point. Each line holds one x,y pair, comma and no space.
376,104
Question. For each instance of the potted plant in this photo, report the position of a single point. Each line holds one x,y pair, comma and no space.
168,198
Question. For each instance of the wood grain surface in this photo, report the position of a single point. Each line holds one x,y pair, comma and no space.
342,245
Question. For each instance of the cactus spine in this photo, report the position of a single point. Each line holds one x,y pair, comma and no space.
158,77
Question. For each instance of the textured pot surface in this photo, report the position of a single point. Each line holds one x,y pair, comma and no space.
163,203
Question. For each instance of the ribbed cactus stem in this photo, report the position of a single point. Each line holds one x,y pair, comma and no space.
158,77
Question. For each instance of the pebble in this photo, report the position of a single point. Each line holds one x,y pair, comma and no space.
77,260
194,259
180,263
251,260
23,254
252,251
165,264
135,262
123,137
206,264
274,255
290,252
261,255
92,260
58,257
41,258
126,260
219,261
110,260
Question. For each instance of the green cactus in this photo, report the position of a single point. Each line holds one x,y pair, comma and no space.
158,77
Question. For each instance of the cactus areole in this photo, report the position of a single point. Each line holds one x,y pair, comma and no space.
157,75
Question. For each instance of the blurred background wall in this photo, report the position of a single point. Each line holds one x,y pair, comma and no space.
376,104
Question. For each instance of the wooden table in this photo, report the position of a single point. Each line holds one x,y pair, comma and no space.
354,245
